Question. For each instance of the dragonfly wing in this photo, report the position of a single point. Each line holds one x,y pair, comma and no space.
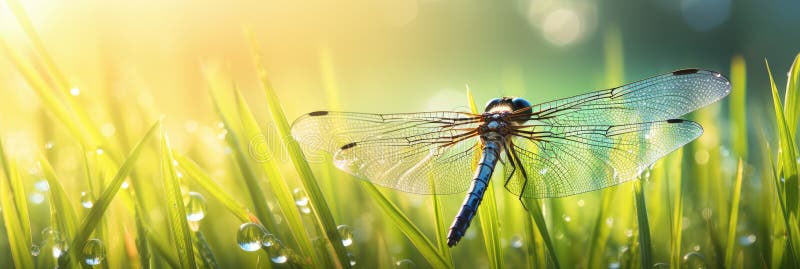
566,160
423,153
658,98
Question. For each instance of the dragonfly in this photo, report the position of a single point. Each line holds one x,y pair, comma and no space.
554,149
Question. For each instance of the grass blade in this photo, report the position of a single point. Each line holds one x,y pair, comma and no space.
402,222
17,194
100,206
535,211
674,173
318,204
788,155
734,218
193,171
738,106
64,213
280,188
645,247
793,96
441,229
487,216
15,228
175,207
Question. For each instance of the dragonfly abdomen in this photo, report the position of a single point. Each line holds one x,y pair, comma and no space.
480,182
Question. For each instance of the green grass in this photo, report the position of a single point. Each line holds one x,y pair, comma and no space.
729,199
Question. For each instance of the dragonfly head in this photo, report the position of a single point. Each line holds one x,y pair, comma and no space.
509,105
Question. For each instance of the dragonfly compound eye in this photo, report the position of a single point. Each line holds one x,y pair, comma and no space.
492,103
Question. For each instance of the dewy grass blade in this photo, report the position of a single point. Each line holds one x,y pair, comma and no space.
417,238
318,204
441,227
194,172
175,207
49,100
793,97
280,188
787,172
738,106
487,216
734,217
248,172
51,68
65,213
100,206
788,155
14,224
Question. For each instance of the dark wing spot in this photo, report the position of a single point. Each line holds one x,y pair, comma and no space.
318,113
685,71
675,121
350,145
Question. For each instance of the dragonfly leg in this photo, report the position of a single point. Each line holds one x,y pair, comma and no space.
515,158
510,162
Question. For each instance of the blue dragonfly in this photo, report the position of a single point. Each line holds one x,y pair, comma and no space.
553,149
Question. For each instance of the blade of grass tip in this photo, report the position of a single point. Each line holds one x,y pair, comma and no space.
487,216
15,234
404,224
677,208
51,68
248,172
318,204
65,213
644,225
734,217
100,206
175,207
535,211
280,187
793,96
788,156
49,100
194,172
738,106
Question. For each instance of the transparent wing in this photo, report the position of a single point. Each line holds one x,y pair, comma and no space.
566,160
658,98
424,153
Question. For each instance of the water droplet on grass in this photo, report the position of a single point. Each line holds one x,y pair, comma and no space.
516,241
300,197
35,250
36,198
195,207
567,218
249,236
99,151
346,234
694,260
269,240
42,185
660,265
613,265
747,240
352,258
93,252
86,200
278,256
405,264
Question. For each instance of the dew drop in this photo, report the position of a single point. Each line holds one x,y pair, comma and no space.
125,185
49,145
567,218
352,258
42,185
694,260
629,233
59,246
346,234
278,256
300,198
195,207
613,265
86,200
75,91
194,225
99,151
610,222
93,252
36,198
249,236
516,241
405,264
269,240
747,240
35,250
